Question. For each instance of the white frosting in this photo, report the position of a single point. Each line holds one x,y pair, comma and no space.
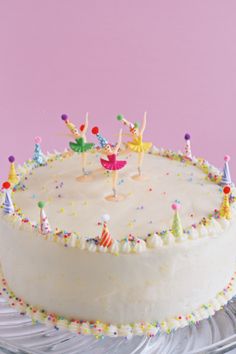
154,241
78,206
119,290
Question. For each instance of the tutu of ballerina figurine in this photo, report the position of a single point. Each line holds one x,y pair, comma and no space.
111,163
137,144
80,145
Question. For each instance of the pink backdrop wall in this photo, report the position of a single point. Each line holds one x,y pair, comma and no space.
175,59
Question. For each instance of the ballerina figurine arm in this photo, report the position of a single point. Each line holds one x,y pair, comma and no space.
86,124
143,123
118,145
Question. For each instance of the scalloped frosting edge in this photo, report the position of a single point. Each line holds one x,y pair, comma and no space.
100,329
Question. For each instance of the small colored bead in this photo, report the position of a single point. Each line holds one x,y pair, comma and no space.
41,204
11,158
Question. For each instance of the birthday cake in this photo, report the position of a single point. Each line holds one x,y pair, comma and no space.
117,239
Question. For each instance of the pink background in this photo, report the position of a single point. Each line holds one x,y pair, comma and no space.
174,59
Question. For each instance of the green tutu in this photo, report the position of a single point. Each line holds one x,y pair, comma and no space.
80,145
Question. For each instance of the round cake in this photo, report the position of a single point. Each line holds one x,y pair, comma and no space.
160,257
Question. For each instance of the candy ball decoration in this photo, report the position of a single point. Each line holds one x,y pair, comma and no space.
188,153
38,156
64,117
12,177
225,211
95,130
187,136
8,207
175,206
226,178
177,229
41,204
119,117
6,185
37,140
11,159
226,189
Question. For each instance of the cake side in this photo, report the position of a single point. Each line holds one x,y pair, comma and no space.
158,286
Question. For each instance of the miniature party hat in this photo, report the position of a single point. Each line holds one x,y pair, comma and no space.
177,229
38,156
102,141
105,239
132,126
225,211
44,224
8,207
70,125
187,149
226,179
12,177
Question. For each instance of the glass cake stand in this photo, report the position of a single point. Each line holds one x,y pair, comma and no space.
214,335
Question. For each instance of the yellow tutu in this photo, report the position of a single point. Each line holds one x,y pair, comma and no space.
137,145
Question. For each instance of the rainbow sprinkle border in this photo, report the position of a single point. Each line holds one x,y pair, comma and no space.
99,329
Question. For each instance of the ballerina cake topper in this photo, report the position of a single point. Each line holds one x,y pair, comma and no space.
81,146
111,163
137,144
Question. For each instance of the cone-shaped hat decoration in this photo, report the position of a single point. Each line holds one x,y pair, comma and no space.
177,229
225,211
8,206
187,150
102,141
105,239
12,177
226,179
132,126
70,125
38,156
44,224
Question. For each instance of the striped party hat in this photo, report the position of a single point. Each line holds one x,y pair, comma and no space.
225,211
102,141
132,126
44,224
12,177
105,239
38,156
73,129
187,149
177,229
226,178
8,207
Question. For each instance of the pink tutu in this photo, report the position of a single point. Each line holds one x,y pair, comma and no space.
112,163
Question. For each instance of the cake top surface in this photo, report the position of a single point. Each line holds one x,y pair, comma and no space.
77,206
